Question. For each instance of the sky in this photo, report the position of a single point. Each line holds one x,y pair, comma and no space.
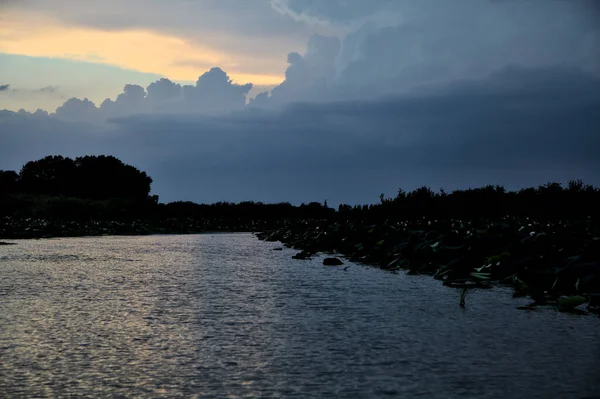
302,100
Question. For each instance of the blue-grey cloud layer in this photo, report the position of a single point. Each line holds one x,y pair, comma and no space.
518,127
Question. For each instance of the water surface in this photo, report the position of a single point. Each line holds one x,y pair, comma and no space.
224,316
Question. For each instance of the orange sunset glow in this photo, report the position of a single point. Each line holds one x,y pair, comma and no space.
142,50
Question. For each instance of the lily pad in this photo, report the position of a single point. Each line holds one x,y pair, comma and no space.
571,301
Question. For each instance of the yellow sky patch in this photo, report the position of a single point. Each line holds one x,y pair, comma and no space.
141,50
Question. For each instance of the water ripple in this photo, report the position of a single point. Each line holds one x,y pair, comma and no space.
210,316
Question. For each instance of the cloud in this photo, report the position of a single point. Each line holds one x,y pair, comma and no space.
213,93
313,11
163,94
308,76
251,20
45,89
41,37
408,11
77,110
397,45
48,89
425,43
237,35
459,94
70,78
130,101
520,126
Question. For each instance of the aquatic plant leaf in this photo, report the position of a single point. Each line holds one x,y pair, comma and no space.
481,276
554,285
421,246
572,301
479,269
392,263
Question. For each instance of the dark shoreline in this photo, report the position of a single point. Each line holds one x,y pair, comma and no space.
554,263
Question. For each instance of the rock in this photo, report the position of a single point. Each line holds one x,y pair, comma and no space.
278,249
332,262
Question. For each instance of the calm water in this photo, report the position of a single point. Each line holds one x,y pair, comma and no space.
224,316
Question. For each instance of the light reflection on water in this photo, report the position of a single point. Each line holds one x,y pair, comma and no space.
224,316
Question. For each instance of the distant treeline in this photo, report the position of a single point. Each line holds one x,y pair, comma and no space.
103,187
550,200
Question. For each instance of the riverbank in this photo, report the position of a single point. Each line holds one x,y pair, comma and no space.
554,262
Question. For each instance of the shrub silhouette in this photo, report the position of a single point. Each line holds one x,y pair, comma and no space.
549,201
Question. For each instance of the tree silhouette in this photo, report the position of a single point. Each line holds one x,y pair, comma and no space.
52,175
90,177
8,182
104,177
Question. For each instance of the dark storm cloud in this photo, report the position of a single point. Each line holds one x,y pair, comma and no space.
347,11
405,44
518,127
403,41
518,111
309,76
